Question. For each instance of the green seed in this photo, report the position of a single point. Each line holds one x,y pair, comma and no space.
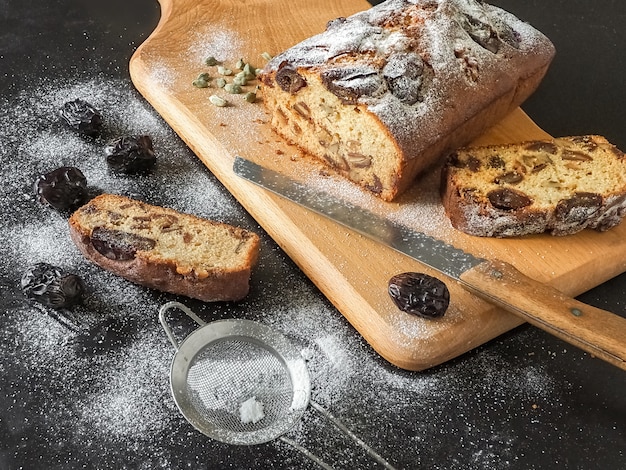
210,61
250,97
233,88
204,76
218,101
576,312
199,83
224,71
220,82
245,75
241,81
249,70
240,64
266,56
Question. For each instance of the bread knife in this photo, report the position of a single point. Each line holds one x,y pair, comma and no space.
596,331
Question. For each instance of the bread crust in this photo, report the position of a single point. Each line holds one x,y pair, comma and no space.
152,269
423,76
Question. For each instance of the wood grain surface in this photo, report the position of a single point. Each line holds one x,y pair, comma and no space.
350,270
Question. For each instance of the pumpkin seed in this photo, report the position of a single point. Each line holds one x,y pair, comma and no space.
218,101
232,88
224,71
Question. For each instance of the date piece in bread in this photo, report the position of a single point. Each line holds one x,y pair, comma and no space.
165,249
383,94
559,186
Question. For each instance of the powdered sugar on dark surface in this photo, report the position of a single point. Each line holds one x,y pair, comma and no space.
72,401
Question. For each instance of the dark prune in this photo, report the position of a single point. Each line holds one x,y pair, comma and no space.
82,117
419,294
580,207
350,83
508,199
289,79
130,154
510,177
64,189
482,33
118,245
335,23
403,74
542,146
51,286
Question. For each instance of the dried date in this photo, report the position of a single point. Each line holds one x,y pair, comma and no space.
289,79
118,245
580,207
350,83
482,33
508,199
403,74
51,286
419,294
82,117
64,189
131,154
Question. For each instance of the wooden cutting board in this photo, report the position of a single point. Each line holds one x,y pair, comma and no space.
352,271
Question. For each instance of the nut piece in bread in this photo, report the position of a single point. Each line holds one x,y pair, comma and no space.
164,249
559,186
381,95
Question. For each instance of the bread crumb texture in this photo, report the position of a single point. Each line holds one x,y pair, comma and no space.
190,242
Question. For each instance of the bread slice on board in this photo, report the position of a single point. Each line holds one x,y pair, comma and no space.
561,186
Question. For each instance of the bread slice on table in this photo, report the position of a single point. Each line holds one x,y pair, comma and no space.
164,249
383,94
559,186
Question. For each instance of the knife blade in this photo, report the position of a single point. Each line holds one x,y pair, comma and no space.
596,331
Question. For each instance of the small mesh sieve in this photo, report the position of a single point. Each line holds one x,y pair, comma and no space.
226,364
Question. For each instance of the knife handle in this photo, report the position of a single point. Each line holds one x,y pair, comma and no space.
599,332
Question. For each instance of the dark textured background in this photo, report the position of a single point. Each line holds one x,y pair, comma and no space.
579,422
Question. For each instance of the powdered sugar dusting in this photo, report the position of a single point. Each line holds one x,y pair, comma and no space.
419,209
107,398
223,44
161,74
131,398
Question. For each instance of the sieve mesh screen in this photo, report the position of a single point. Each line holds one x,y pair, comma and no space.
226,373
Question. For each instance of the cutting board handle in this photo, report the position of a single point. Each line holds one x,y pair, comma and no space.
599,332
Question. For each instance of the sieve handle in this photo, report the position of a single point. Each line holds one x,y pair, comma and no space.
168,331
343,428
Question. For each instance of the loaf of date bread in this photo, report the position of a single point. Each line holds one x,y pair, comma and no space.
381,95
165,249
559,186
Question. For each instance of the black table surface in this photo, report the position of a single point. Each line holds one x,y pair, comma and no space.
90,388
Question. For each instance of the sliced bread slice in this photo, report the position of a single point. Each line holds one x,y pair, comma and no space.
165,249
560,186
